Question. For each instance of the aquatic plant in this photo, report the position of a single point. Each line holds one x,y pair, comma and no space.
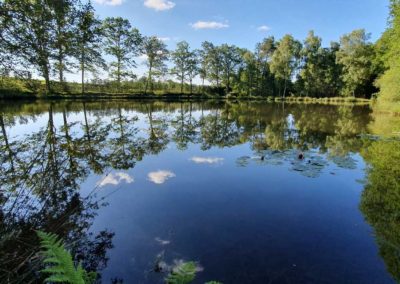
59,263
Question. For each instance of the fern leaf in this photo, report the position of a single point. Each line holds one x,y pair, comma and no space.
59,262
182,274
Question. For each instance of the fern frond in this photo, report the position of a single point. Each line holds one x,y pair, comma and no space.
182,274
59,262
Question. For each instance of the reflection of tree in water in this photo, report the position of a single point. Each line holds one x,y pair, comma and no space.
126,146
380,200
39,187
157,139
184,127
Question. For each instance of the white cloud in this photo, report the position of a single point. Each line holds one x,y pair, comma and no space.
115,179
206,160
109,2
159,5
159,177
199,25
263,28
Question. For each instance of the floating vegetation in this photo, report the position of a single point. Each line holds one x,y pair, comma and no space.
346,162
309,167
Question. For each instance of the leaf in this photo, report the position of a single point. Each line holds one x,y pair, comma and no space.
182,274
59,263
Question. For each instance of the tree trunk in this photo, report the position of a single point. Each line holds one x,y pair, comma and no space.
119,73
46,76
60,69
148,79
284,90
182,84
83,72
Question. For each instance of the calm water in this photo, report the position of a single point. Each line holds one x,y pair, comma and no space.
130,185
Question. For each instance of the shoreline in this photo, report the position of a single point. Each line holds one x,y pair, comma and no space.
174,97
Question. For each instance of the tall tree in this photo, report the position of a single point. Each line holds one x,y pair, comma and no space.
88,40
180,57
212,61
230,60
248,73
123,43
356,56
285,60
28,34
193,68
64,12
157,53
265,80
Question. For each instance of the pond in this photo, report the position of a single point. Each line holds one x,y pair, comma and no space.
254,192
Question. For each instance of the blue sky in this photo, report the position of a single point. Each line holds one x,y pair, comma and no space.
246,22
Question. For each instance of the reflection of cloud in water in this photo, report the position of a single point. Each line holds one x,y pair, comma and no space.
115,179
159,177
206,160
162,242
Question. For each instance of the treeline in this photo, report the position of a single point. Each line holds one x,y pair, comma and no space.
55,37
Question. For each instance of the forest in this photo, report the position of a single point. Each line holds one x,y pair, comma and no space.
44,40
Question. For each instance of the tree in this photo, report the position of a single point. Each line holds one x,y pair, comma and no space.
64,12
157,53
356,56
122,42
248,73
28,34
312,65
193,68
265,80
181,57
284,61
88,40
319,74
211,62
230,59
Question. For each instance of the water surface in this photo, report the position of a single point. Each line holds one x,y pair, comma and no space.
132,184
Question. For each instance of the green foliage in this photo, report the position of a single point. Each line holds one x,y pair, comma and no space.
355,55
389,49
319,74
285,60
182,274
157,53
123,43
185,62
59,262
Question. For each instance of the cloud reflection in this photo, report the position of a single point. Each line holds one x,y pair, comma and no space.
115,179
207,160
159,177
